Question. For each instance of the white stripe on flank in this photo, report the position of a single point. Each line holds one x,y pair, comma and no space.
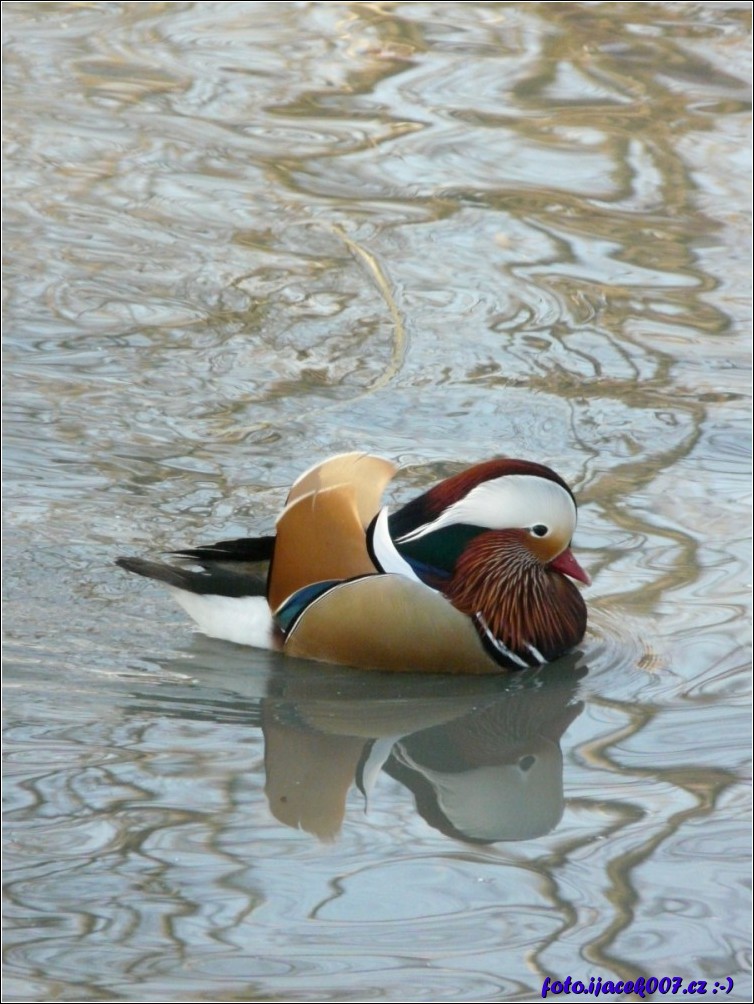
501,648
537,654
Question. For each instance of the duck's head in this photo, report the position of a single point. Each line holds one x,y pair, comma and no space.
495,539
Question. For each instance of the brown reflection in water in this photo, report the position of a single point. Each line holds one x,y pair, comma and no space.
160,231
484,763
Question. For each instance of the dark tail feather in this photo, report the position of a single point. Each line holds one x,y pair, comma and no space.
242,549
219,581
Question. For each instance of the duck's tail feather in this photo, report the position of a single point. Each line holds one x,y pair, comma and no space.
247,549
218,578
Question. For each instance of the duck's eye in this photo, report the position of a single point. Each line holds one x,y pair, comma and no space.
540,530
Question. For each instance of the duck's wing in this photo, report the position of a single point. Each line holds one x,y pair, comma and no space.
321,532
221,578
384,622
320,537
366,473
228,568
244,550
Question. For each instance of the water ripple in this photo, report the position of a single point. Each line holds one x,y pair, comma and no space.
242,236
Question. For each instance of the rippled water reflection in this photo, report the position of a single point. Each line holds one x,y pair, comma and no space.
243,236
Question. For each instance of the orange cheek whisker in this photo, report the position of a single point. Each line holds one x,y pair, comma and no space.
531,610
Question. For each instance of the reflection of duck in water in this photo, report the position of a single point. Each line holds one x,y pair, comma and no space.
474,576
483,762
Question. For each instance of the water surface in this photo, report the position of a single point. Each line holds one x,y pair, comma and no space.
243,236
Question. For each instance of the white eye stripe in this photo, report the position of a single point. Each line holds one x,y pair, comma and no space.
512,501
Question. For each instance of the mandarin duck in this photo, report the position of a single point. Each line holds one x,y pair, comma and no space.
473,576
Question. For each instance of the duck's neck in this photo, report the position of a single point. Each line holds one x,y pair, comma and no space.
432,554
525,612
383,551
